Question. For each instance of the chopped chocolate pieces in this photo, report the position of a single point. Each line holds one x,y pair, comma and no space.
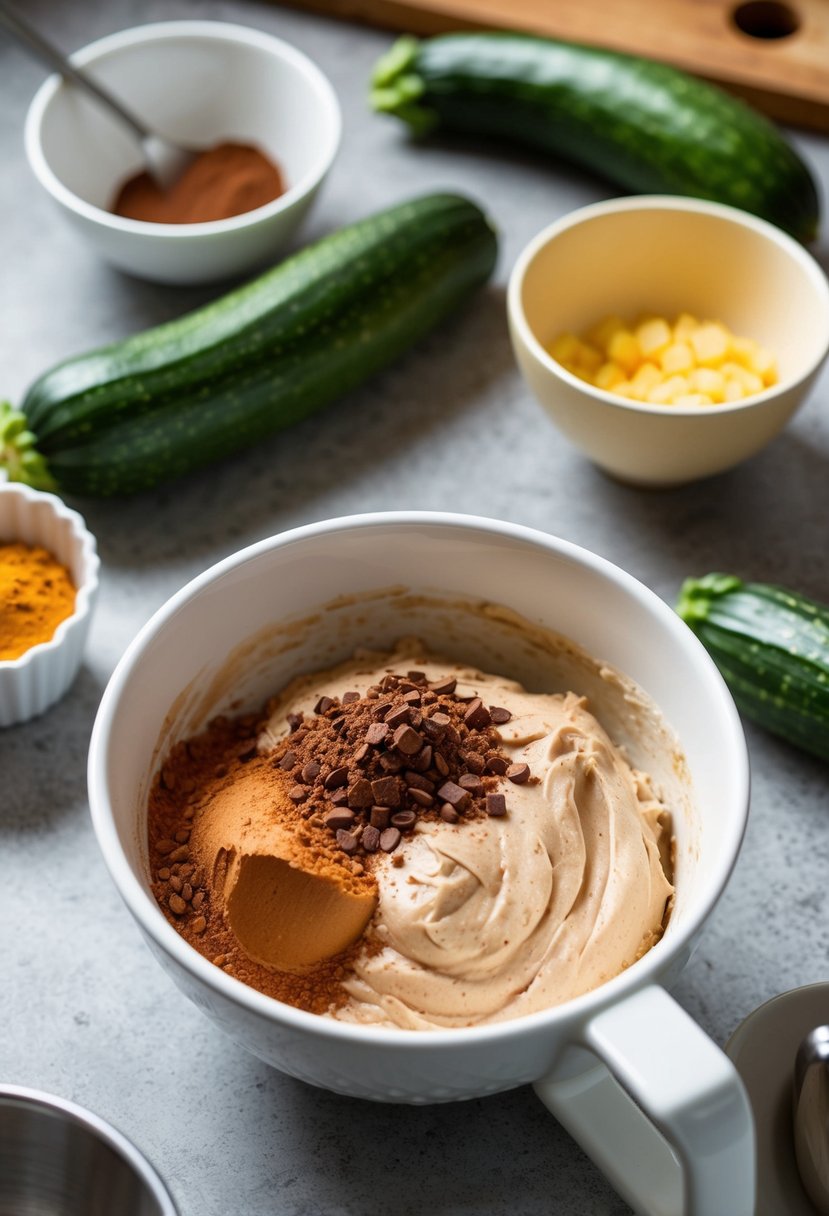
380,817
390,839
386,791
496,805
368,767
518,773
370,839
477,715
407,740
341,818
337,776
454,795
360,794
398,717
347,841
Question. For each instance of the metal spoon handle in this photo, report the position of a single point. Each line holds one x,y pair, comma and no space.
25,33
811,1116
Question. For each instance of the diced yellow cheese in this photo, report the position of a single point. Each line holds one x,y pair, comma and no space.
624,350
646,376
678,357
687,399
664,393
710,344
734,390
653,336
608,375
684,326
708,380
755,358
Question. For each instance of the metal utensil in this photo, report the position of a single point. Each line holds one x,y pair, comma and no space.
165,160
59,1159
811,1116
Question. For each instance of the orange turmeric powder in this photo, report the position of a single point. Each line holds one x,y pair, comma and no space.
36,594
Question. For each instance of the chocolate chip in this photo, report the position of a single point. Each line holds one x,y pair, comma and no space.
449,814
519,773
340,797
373,692
294,722
310,772
421,797
349,697
416,677
496,805
322,705
418,782
346,841
380,817
477,715
412,698
336,778
423,759
496,765
441,765
429,698
360,794
405,820
288,761
444,686
391,762
341,818
298,793
471,782
398,717
407,741
441,720
386,791
499,715
389,840
361,753
454,795
389,681
381,709
370,839
474,762
377,733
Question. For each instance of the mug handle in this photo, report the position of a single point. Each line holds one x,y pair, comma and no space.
675,1081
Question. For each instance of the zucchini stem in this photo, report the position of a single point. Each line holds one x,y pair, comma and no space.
396,87
696,595
19,457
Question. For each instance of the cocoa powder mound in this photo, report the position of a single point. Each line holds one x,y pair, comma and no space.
352,781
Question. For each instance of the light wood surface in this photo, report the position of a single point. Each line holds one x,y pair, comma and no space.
787,77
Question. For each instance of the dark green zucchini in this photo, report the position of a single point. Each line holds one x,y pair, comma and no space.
641,124
179,396
772,647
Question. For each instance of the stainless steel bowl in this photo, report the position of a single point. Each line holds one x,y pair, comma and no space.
57,1159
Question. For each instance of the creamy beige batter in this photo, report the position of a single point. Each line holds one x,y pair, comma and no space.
497,918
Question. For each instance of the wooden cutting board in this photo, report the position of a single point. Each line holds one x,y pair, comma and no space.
774,54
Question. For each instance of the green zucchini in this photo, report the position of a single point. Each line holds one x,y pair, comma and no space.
772,647
641,124
174,398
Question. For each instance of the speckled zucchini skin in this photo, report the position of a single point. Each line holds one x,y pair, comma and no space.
643,125
772,647
184,394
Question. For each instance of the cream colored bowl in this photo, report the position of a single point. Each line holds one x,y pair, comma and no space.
668,255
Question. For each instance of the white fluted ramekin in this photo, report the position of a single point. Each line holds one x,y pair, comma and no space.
40,677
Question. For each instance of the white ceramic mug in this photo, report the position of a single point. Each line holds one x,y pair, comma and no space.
307,598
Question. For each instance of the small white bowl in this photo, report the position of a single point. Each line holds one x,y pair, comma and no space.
200,83
668,255
30,684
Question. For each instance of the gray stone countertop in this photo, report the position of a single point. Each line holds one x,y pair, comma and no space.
85,1011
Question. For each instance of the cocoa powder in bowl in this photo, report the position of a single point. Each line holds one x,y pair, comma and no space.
229,179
